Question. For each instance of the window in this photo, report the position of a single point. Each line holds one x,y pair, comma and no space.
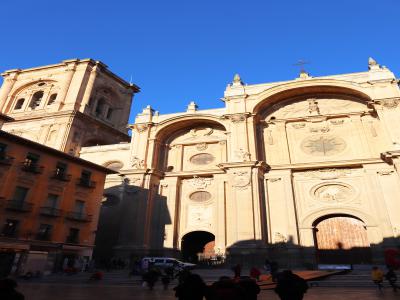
10,228
31,159
44,232
85,176
109,113
20,194
79,207
73,236
20,103
100,107
3,148
61,170
52,99
36,99
52,201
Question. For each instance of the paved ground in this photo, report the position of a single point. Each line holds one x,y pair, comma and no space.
96,291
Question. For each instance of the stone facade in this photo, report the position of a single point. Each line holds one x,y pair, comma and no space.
262,173
68,105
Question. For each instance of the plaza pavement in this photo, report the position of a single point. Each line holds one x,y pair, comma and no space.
97,291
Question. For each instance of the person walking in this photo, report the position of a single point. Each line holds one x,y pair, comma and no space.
249,287
392,278
377,277
7,290
237,269
290,286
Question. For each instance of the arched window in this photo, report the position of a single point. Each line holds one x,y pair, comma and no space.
109,113
52,99
36,99
19,103
100,107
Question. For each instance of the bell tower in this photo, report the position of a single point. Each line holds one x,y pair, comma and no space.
67,106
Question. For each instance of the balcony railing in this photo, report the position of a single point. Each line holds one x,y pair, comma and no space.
6,160
31,168
61,176
50,211
86,183
21,206
78,216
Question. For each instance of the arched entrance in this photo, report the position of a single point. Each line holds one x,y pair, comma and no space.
341,239
197,244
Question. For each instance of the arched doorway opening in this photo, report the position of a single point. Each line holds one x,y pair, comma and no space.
197,245
341,239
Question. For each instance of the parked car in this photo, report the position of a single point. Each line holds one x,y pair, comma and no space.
166,262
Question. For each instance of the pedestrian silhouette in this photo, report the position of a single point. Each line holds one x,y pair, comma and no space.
290,286
249,287
392,278
192,287
225,289
377,277
7,290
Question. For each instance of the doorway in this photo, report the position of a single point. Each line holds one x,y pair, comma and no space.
341,239
197,245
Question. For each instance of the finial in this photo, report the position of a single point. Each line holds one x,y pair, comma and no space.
372,64
304,75
148,110
192,107
237,80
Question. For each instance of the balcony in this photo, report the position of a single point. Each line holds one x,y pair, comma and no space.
72,240
43,236
61,176
78,216
50,211
86,183
6,160
20,206
31,168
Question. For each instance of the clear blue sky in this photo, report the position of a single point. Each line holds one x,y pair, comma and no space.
178,51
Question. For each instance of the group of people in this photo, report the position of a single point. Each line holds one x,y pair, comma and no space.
192,287
377,276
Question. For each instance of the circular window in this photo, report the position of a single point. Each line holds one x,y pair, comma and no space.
200,196
323,145
334,192
202,159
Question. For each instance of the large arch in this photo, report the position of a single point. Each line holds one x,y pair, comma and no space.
196,245
307,87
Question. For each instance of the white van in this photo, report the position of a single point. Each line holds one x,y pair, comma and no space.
165,262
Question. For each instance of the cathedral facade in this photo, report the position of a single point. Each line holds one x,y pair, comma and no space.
305,171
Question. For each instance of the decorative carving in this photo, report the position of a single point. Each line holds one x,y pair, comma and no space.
137,163
237,118
328,173
322,129
200,182
196,132
141,127
390,103
242,155
313,106
279,238
334,192
323,145
298,125
241,179
201,146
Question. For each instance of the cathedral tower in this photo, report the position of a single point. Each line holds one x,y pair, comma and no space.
67,106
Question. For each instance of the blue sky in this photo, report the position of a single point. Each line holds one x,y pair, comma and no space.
178,51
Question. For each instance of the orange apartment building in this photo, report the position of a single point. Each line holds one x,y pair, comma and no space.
49,207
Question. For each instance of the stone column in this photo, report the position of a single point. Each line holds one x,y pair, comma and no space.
239,150
70,71
10,78
89,88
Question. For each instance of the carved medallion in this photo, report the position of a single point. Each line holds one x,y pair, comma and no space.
200,196
323,145
334,192
241,179
202,159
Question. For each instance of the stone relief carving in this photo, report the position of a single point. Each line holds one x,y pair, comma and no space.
313,106
201,146
196,132
200,182
242,155
279,238
237,118
241,179
390,103
137,163
334,192
328,173
323,145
